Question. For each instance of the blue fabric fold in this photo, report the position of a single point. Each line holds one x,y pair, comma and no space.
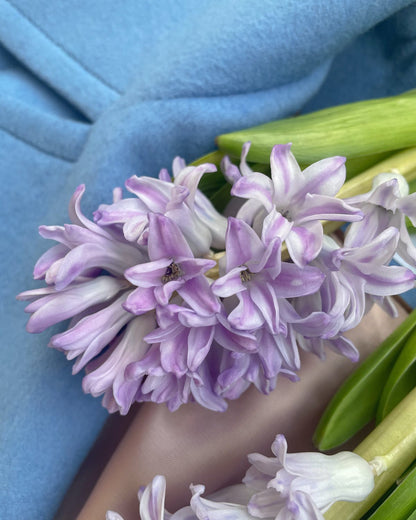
93,93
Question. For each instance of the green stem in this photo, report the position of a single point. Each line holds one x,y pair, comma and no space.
403,162
382,463
395,437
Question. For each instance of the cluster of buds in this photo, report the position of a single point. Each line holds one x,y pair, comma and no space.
170,302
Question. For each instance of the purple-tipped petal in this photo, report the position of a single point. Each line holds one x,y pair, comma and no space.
345,347
152,192
230,171
93,332
141,300
206,397
178,164
120,212
148,274
85,256
77,217
304,243
35,293
389,280
165,239
243,244
294,281
197,294
256,186
323,207
199,344
286,174
108,373
263,295
48,259
193,267
275,225
190,176
244,167
324,177
152,500
232,339
229,284
178,196
66,304
407,205
246,316
173,354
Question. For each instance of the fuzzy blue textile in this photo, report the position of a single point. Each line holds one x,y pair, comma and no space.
93,92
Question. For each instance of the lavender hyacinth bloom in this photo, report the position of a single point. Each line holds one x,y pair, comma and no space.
85,273
302,199
261,282
296,486
179,200
302,486
172,267
185,337
277,355
149,323
356,277
106,373
324,315
88,274
387,204
365,271
184,345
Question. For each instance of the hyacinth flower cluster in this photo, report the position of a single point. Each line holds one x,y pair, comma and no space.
287,486
169,301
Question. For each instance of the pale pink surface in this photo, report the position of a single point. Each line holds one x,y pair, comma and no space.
195,445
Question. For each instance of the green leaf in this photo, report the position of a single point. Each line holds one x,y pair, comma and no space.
221,197
355,403
357,129
412,186
401,380
412,516
401,502
212,157
356,165
211,182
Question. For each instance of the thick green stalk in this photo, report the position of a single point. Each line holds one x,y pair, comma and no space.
401,502
395,441
403,162
353,130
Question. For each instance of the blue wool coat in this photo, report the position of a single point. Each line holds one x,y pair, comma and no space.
93,92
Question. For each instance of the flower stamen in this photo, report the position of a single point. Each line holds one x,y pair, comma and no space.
173,272
246,275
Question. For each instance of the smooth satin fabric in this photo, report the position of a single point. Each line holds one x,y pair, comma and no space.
93,93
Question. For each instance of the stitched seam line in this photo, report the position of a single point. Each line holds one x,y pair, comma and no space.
63,49
33,145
